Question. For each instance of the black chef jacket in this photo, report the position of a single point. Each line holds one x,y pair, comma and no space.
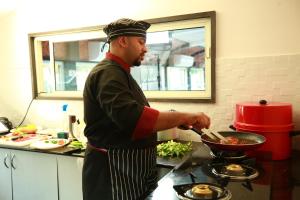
118,118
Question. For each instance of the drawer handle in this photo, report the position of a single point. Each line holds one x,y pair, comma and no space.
12,161
6,165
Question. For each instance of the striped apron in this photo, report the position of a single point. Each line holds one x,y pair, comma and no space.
132,172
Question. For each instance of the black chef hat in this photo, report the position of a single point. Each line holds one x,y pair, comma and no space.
125,27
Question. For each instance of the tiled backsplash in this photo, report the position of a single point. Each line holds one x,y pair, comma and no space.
274,78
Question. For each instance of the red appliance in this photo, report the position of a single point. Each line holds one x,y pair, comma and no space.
272,120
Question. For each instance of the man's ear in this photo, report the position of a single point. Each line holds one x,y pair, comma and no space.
123,41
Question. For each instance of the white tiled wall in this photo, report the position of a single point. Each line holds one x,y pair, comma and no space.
244,72
274,78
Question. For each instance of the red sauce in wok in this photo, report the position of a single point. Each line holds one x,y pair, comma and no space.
234,140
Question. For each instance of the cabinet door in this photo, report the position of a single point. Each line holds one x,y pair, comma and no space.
69,177
34,175
5,175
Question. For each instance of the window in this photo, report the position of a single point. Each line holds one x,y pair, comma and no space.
179,64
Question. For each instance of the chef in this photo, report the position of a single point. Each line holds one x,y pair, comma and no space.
120,159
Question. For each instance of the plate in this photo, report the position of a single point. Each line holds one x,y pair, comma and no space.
49,144
20,140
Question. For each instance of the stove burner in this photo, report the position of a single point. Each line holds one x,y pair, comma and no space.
201,191
198,191
234,172
228,155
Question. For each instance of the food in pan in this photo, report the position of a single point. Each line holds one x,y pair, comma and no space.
230,140
234,169
202,190
234,140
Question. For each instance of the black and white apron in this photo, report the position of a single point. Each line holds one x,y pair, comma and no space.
132,172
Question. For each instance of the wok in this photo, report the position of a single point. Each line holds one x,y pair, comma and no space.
256,141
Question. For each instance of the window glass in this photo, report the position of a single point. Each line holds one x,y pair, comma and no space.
178,64
175,61
73,61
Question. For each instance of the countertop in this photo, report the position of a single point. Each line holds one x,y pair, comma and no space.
67,151
280,180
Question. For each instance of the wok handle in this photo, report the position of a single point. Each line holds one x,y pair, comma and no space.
232,127
197,131
294,133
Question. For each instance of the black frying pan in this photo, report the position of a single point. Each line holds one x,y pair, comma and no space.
256,141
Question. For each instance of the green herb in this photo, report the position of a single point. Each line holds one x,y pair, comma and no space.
173,149
76,144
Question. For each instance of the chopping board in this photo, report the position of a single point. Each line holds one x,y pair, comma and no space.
172,162
65,150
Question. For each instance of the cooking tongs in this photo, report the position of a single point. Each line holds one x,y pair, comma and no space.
210,134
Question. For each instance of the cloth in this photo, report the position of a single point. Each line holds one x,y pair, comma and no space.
96,182
128,174
126,27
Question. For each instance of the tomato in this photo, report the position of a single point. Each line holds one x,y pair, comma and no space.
231,140
22,139
61,142
15,134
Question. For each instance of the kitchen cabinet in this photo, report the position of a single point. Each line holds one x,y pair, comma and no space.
69,177
30,175
5,175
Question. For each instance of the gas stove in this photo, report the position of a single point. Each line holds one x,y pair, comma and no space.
227,176
231,173
232,166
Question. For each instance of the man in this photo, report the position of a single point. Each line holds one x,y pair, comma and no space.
120,160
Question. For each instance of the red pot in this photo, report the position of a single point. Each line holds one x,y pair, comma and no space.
272,120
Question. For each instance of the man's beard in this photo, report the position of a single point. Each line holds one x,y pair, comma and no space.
137,63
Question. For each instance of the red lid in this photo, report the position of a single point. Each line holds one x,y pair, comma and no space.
263,116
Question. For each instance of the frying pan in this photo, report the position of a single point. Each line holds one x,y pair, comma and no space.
258,140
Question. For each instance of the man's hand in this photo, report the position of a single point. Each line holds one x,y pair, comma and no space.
197,121
182,120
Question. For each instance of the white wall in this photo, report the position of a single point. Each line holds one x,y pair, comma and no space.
258,51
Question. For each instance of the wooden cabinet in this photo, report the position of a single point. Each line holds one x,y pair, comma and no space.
28,175
69,177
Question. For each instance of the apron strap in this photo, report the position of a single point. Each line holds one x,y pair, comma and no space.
101,150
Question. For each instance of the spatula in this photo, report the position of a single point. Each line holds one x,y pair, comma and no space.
218,135
210,134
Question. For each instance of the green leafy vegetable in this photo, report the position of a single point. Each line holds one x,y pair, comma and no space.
76,144
173,149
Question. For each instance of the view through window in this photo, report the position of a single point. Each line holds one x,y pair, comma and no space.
178,60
